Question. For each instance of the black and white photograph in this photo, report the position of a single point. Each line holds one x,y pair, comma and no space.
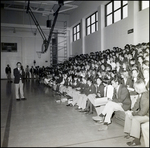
74,73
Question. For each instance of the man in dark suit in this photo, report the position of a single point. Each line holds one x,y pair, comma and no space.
8,73
19,76
120,102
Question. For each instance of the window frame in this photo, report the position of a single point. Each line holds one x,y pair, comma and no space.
91,24
113,11
140,6
76,32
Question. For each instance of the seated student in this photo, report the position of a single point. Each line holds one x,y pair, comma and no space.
145,131
76,86
146,77
135,76
137,115
69,88
145,64
127,79
64,84
89,89
107,94
99,93
58,81
120,102
90,93
140,65
78,91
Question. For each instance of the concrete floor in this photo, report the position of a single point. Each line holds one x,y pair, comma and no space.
40,121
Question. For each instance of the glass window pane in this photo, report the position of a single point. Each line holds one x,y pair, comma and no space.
125,11
78,37
109,8
74,30
88,30
75,37
96,26
78,28
109,20
88,21
96,16
125,2
117,4
93,18
145,4
93,28
117,16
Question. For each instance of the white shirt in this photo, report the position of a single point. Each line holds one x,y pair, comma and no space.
110,91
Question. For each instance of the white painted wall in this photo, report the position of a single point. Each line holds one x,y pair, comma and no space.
27,45
114,35
27,42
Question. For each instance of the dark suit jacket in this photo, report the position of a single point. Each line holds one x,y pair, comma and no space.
18,76
100,90
128,82
90,90
122,96
141,106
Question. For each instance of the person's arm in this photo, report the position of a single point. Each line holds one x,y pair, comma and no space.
144,107
122,97
15,72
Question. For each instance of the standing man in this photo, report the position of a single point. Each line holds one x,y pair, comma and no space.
27,72
32,71
19,75
8,73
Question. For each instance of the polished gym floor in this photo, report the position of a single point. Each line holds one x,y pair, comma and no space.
40,121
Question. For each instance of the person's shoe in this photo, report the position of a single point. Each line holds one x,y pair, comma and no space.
83,110
89,112
97,118
23,99
101,115
105,123
103,127
71,105
17,99
68,105
127,136
133,143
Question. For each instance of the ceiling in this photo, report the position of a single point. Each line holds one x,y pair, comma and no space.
44,7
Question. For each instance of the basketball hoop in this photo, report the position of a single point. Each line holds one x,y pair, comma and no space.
39,54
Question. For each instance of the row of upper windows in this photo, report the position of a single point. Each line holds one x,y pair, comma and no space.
114,12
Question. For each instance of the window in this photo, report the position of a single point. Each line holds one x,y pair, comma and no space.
144,5
92,23
76,32
115,11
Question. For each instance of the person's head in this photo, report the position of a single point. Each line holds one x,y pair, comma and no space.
83,80
132,61
117,64
124,65
18,64
135,73
139,86
145,64
125,74
146,73
140,59
116,82
7,65
98,80
89,82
